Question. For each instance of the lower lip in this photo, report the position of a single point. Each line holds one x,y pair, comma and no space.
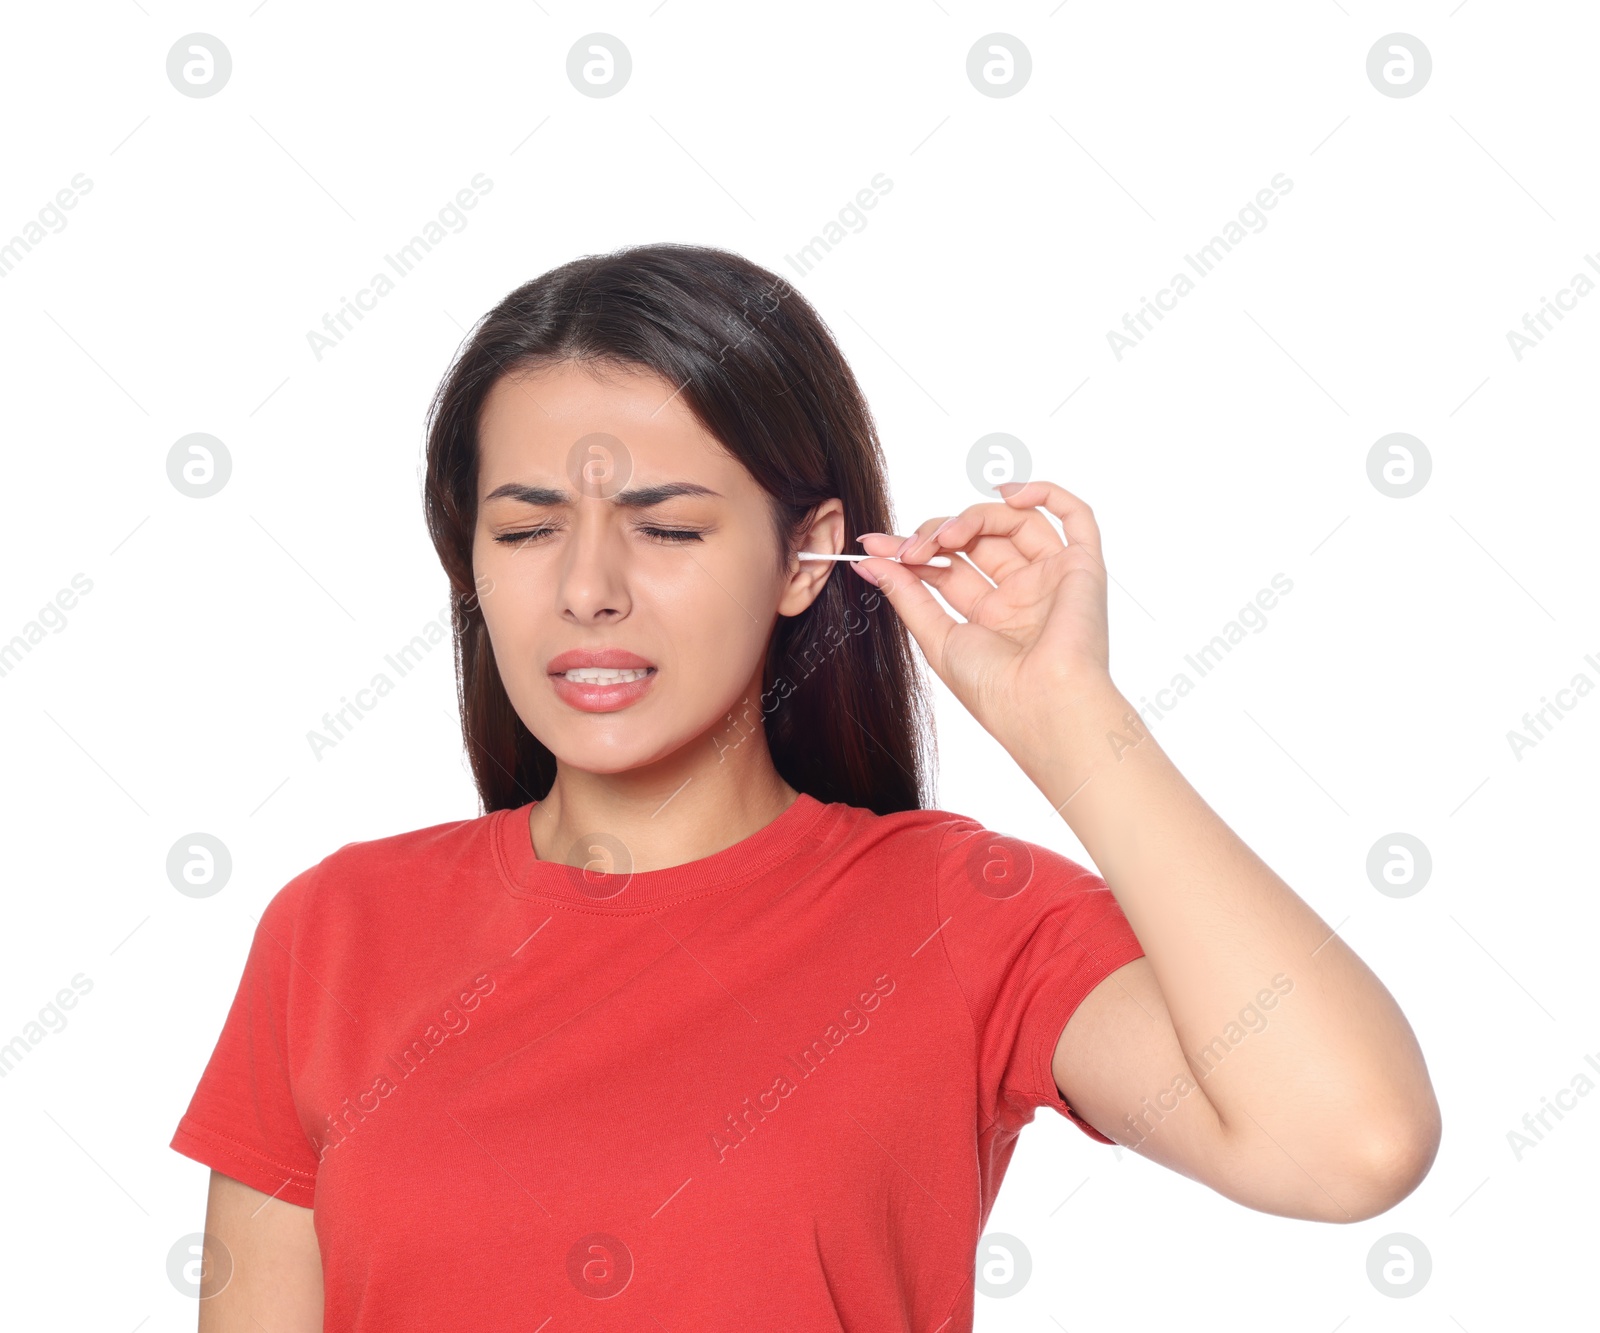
601,698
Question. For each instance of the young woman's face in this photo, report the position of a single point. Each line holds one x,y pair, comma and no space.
588,578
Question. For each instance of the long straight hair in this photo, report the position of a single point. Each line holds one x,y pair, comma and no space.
844,705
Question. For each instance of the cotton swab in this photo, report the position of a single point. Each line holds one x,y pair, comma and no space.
938,561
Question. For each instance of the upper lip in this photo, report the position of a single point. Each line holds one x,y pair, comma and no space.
603,657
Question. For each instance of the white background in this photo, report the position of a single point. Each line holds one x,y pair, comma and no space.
1230,446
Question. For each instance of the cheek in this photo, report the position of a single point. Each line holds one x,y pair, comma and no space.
505,598
716,618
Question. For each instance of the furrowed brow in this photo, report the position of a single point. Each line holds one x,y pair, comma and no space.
639,498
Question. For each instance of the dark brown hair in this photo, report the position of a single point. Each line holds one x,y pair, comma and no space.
844,706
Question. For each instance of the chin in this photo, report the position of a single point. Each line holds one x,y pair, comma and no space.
627,753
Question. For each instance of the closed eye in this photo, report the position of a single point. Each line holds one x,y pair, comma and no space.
665,535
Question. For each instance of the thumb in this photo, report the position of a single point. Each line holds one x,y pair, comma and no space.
913,602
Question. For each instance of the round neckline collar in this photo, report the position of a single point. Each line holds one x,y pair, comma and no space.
620,892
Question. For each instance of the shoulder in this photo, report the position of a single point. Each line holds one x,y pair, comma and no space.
952,854
379,871
422,846
946,835
954,840
911,834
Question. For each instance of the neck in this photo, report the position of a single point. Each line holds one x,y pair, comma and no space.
707,795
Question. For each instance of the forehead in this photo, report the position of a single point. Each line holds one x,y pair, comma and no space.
534,420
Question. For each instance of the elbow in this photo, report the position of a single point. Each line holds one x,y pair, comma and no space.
1395,1161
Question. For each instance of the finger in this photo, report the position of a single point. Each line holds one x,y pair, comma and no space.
880,543
961,585
916,606
995,556
999,538
1077,519
922,531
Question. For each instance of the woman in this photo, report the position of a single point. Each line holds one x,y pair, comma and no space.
708,1020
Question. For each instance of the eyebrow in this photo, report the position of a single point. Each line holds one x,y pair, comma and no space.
641,497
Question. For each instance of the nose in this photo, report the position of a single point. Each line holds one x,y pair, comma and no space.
592,587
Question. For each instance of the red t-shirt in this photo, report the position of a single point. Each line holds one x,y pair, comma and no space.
777,1086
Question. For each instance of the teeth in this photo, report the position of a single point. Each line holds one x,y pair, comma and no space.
605,675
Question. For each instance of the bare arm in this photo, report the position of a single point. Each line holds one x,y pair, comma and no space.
1251,1049
1281,1071
1122,1067
276,1278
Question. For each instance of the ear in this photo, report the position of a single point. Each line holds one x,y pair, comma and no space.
824,532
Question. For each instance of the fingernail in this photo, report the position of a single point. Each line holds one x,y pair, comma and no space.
866,573
917,541
865,535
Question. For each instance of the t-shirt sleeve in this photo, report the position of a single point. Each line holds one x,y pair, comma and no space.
1029,933
242,1119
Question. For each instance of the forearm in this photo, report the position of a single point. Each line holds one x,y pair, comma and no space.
1335,1077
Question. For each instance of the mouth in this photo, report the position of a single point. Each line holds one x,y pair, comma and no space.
605,675
601,687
